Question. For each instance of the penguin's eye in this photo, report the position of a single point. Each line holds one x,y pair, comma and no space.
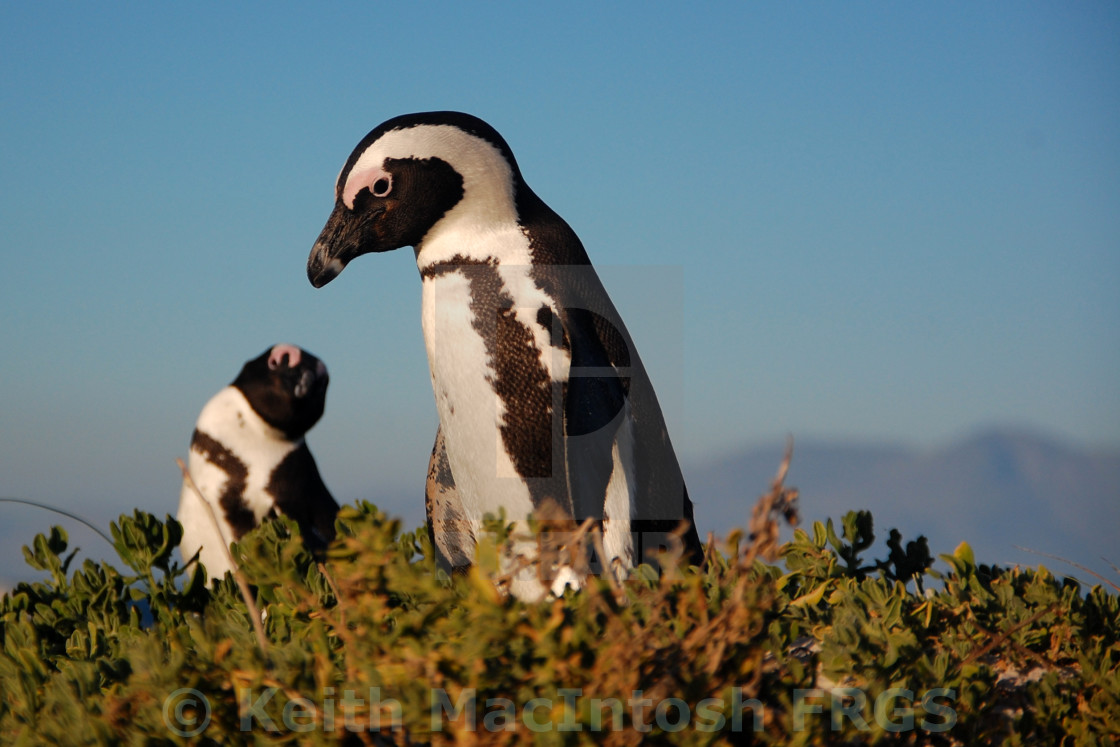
382,187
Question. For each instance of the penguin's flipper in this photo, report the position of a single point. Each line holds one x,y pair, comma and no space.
450,533
299,492
594,410
325,509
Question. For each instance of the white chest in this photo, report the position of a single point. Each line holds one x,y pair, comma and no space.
229,419
470,411
239,464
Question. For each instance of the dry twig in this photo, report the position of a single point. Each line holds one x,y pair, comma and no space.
779,503
1078,566
242,583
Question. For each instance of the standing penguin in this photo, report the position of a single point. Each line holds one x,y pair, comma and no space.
541,396
249,460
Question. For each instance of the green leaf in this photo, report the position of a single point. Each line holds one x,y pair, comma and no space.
964,554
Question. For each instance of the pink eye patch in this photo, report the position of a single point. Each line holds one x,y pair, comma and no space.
276,356
376,179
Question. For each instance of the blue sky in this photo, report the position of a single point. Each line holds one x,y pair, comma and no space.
877,221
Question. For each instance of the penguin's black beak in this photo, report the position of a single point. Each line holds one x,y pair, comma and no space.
348,234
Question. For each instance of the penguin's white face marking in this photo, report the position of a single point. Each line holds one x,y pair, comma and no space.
416,178
487,177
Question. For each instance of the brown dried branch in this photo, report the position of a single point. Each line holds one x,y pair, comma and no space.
773,507
242,583
1078,566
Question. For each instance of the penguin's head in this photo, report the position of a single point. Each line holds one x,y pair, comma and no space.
287,387
411,177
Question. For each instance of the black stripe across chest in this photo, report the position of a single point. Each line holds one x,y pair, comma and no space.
235,509
516,371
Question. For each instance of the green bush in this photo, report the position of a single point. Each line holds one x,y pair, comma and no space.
375,647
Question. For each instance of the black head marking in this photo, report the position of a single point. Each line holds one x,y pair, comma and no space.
422,191
286,387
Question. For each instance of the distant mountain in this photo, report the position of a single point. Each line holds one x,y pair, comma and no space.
996,489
